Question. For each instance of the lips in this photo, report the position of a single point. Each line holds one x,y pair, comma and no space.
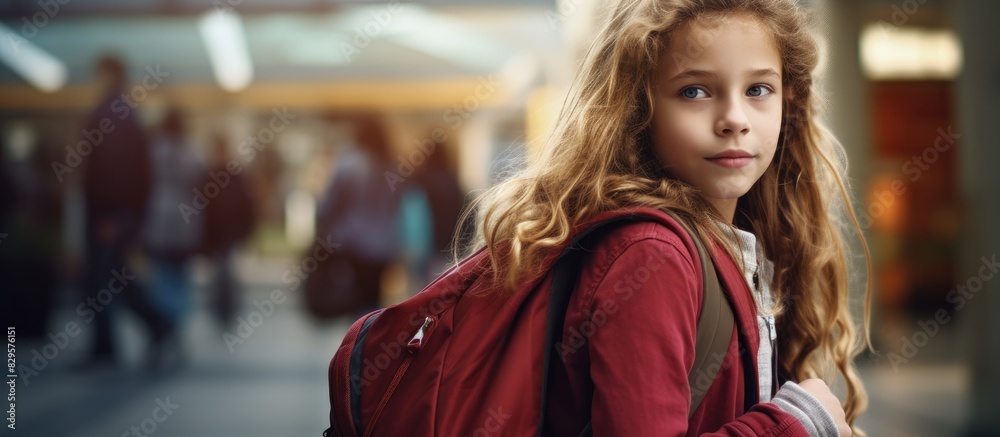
732,158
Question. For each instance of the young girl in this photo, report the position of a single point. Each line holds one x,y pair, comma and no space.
706,108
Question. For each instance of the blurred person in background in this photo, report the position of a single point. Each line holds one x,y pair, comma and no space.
416,232
436,190
358,215
229,219
116,188
171,235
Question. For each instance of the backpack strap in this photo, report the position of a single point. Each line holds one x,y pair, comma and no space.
715,325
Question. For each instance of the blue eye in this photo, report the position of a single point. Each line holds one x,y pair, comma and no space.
693,93
759,91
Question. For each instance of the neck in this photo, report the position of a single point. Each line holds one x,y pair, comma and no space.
725,207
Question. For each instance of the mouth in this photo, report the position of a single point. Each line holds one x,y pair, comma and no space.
732,158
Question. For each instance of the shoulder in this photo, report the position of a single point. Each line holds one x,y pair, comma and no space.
640,283
621,242
641,255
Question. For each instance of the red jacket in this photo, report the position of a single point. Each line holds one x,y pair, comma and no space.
629,342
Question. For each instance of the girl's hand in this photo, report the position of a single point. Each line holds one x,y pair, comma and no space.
821,392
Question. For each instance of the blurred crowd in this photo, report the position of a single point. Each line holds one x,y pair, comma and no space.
147,203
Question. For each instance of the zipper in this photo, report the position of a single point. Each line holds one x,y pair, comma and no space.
413,346
772,332
417,342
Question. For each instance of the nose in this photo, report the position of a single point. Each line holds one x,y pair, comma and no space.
733,119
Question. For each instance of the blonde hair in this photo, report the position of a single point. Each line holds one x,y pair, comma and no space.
599,158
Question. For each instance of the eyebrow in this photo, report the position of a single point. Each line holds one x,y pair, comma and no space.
760,72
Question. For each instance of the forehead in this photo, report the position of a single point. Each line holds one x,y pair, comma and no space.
715,21
720,41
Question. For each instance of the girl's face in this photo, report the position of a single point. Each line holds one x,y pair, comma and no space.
717,106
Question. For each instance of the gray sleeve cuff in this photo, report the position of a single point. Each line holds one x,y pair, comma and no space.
794,400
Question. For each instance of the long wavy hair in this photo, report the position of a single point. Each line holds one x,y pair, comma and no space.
599,158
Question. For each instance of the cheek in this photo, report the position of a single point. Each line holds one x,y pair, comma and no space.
674,133
769,130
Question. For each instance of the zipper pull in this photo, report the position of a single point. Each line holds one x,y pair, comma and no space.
771,329
417,342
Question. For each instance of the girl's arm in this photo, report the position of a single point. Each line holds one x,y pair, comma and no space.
644,343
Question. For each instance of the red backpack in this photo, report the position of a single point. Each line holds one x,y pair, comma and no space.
454,360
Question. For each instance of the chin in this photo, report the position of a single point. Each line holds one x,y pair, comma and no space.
727,192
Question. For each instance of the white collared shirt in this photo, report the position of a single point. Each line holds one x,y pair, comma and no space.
790,398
